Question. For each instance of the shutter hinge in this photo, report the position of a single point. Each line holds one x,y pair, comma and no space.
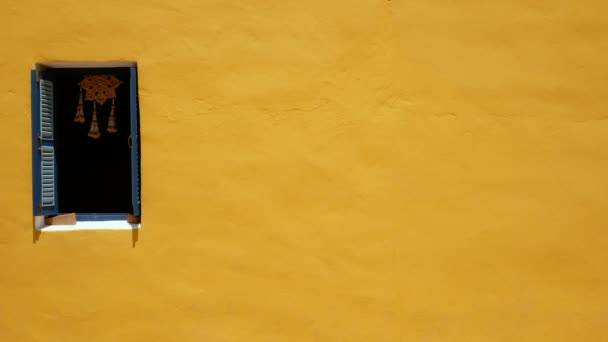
39,142
37,75
39,208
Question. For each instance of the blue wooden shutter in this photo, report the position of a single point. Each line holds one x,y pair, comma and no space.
44,163
135,151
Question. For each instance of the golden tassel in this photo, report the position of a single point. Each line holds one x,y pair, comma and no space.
112,128
79,110
94,130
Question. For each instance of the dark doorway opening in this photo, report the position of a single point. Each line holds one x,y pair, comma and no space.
94,175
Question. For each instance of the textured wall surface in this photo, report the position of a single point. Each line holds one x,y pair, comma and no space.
326,171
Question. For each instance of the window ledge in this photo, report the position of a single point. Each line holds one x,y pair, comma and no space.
90,225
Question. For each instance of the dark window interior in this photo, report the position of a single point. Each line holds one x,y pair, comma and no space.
94,175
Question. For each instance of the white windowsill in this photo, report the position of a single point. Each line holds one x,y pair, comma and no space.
86,225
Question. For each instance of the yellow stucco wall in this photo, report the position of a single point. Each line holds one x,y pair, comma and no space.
326,171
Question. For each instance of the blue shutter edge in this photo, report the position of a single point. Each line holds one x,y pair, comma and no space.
36,166
135,150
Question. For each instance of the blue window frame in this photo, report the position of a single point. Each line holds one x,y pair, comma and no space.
47,167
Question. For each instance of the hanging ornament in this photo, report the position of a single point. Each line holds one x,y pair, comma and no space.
79,110
112,128
98,88
94,130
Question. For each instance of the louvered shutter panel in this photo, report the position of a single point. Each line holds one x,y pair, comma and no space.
135,151
46,109
44,164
